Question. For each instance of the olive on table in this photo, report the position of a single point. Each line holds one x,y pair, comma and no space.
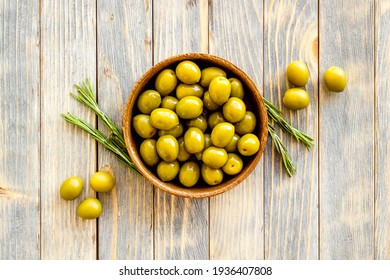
90,208
167,148
167,171
189,107
102,182
183,154
237,88
234,110
188,72
143,127
166,82
184,90
175,132
71,188
219,90
210,73
232,146
247,124
162,118
148,101
248,144
148,151
193,140
335,79
169,102
233,164
298,73
215,118
296,99
222,134
208,103
211,176
199,122
189,174
214,157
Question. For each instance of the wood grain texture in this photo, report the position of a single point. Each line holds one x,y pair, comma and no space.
181,224
68,56
124,53
19,130
382,134
236,217
291,213
347,132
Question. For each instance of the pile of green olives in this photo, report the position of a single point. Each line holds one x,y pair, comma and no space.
89,208
194,125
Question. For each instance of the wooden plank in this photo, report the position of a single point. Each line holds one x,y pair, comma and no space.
236,33
19,130
124,54
181,224
347,132
291,213
68,56
382,134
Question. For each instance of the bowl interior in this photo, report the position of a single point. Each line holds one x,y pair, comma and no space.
252,99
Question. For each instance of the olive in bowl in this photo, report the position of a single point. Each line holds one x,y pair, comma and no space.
209,98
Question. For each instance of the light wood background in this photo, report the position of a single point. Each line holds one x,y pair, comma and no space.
337,206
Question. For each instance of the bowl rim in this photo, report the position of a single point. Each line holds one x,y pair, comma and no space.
193,192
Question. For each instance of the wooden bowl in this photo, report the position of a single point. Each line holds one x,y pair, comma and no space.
253,100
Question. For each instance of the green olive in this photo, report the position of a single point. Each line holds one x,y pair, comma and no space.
237,88
90,208
167,171
208,103
296,99
194,140
183,154
162,118
222,134
166,82
102,182
207,143
184,90
248,144
167,148
214,157
298,73
209,73
215,118
211,176
199,122
233,164
188,72
175,132
335,79
219,90
148,151
189,107
169,102
189,174
232,146
148,101
247,125
71,188
234,110
143,127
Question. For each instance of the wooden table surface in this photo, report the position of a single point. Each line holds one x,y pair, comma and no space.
337,206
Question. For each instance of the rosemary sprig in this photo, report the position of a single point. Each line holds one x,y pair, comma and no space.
87,97
287,162
275,114
109,143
